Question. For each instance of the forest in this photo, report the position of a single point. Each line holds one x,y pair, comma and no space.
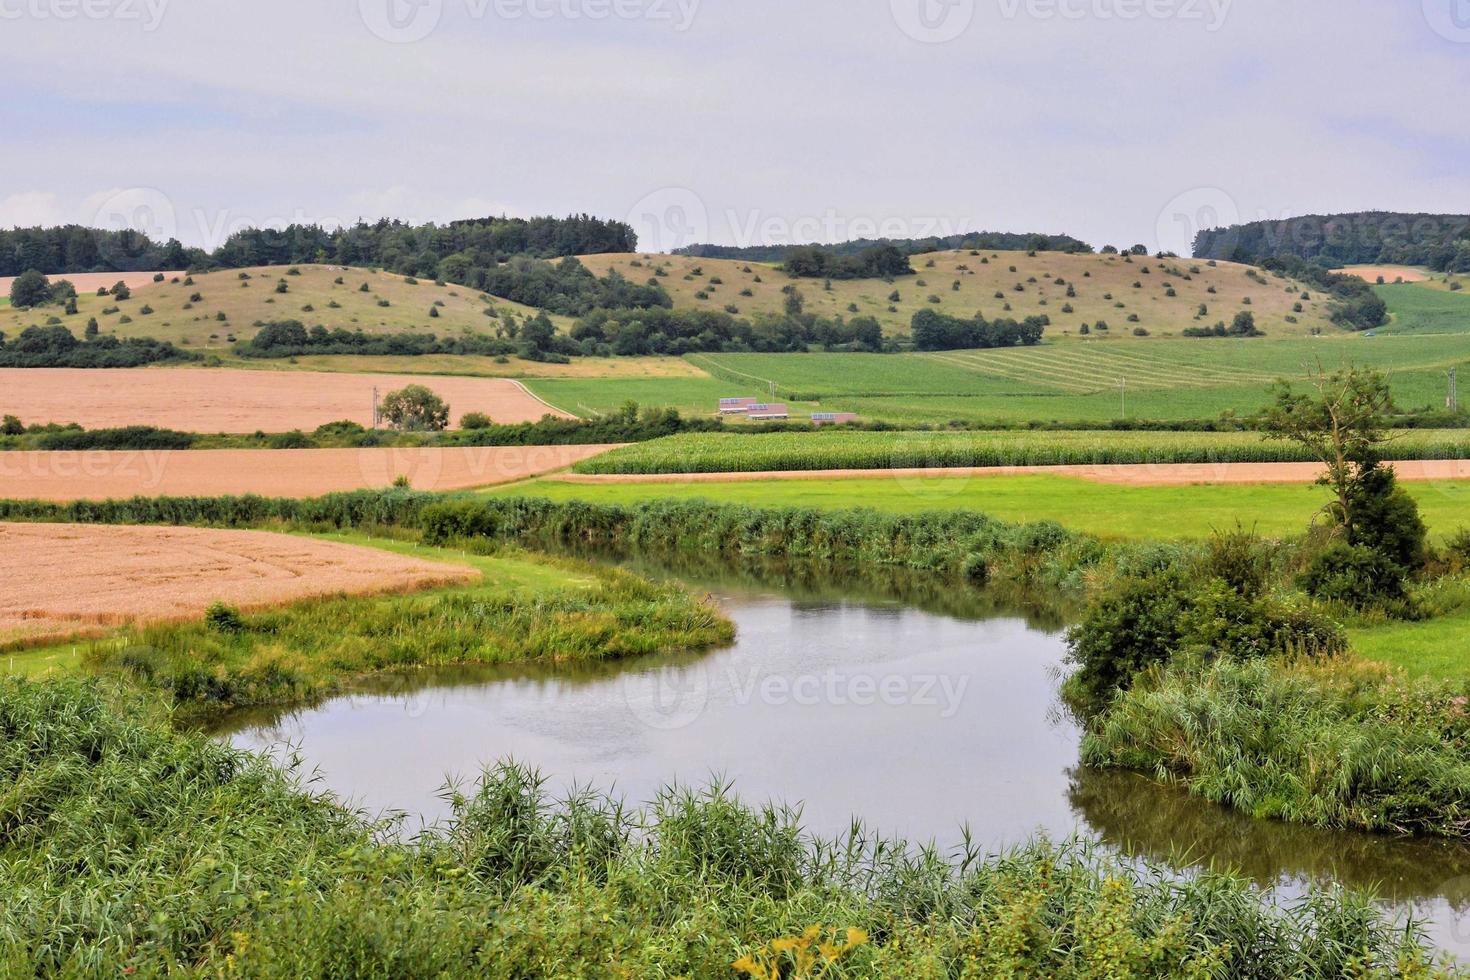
1439,241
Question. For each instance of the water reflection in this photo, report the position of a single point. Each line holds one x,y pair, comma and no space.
917,705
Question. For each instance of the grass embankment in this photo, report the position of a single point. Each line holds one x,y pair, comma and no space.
133,848
1105,510
525,608
847,450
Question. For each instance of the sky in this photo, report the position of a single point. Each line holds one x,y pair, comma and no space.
734,121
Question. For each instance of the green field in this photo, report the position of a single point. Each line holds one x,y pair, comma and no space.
1417,308
1110,511
1434,648
1085,382
855,450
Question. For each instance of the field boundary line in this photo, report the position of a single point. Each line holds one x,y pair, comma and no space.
521,385
722,367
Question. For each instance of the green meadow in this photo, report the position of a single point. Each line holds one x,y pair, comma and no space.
1107,510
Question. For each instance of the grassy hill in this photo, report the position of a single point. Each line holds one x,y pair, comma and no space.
197,324
963,282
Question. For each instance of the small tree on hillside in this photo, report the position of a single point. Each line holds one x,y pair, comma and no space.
416,409
29,289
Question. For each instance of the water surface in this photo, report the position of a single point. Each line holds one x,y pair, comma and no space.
919,716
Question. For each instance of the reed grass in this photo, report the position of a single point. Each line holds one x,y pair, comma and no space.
130,848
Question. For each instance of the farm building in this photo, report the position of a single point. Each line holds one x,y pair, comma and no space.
767,413
735,406
833,418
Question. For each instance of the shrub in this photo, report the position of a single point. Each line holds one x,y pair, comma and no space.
11,426
295,439
475,421
221,618
1354,575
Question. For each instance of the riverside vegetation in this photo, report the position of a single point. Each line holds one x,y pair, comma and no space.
1222,665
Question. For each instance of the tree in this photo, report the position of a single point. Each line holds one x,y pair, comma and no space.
11,426
416,409
1343,423
30,289
120,290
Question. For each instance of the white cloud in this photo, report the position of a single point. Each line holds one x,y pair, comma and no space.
1089,125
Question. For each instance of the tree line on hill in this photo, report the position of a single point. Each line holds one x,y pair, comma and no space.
292,338
1438,241
398,246
879,262
932,330
995,241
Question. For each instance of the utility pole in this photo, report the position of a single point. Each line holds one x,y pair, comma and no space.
1123,387
1453,403
375,408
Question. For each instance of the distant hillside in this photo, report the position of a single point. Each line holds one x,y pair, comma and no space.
1165,295
994,240
1437,241
217,308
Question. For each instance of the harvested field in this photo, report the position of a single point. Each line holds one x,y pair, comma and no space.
65,579
1390,273
101,475
90,282
1127,474
235,401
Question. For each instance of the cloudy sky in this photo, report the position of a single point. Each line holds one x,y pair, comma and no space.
737,121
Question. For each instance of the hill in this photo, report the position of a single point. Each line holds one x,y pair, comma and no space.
1440,242
1110,288
229,305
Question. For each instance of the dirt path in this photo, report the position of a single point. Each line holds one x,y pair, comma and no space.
65,579
1137,475
270,472
225,400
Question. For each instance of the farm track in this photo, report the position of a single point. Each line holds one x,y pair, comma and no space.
67,476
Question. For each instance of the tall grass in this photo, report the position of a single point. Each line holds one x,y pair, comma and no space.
127,847
1332,744
313,649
